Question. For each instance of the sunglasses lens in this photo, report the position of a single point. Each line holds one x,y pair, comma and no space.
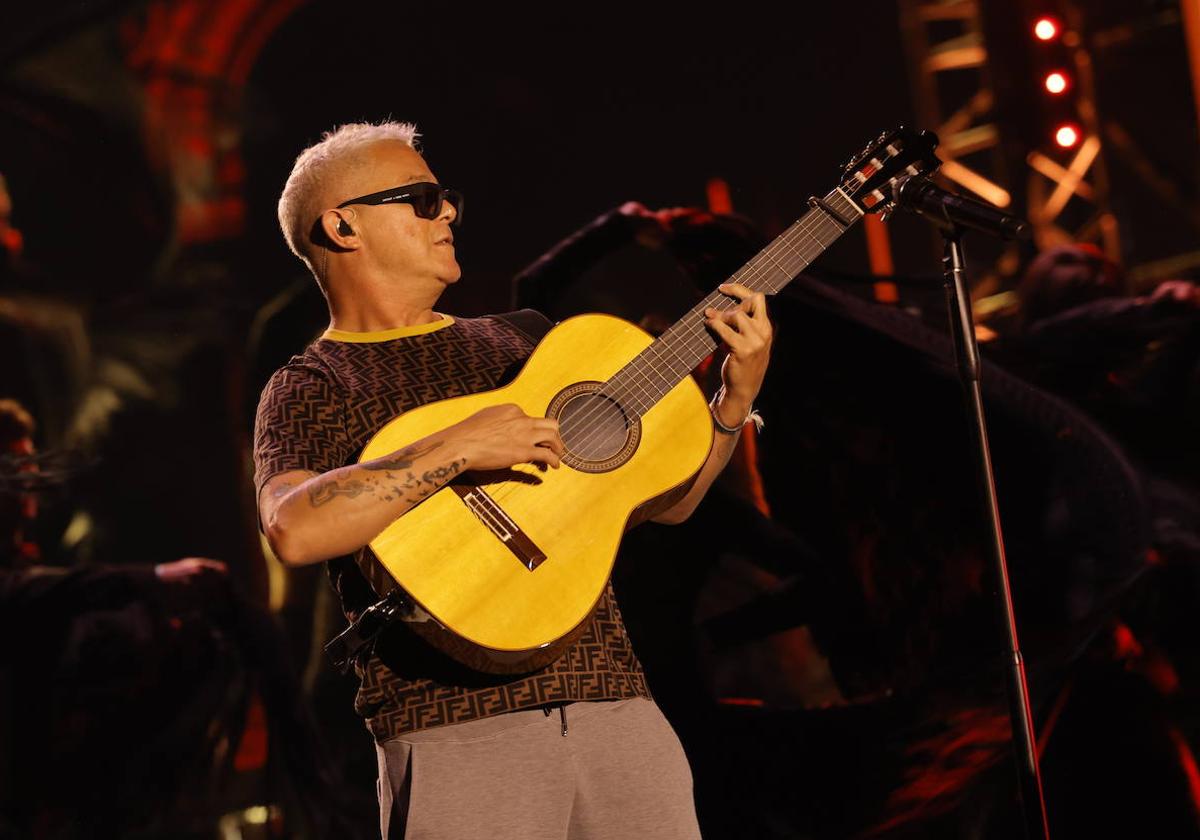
427,201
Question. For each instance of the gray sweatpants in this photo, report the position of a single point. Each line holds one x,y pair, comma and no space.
619,772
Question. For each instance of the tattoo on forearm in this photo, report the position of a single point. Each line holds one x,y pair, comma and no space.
403,459
327,491
412,487
440,474
432,480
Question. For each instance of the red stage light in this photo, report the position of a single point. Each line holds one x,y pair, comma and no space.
1066,136
1046,29
1056,82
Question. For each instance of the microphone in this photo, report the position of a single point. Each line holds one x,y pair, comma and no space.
948,210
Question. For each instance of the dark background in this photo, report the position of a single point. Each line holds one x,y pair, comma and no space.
542,117
145,145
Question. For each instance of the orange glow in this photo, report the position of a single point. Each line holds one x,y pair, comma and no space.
1056,82
1187,761
254,747
719,199
1066,136
1046,29
879,246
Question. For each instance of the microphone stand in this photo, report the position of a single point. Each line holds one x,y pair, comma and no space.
962,327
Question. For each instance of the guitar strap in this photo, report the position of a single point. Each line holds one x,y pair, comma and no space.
343,648
533,324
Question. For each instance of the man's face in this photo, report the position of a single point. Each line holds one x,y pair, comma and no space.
400,242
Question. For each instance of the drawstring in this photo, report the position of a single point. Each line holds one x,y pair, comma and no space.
562,715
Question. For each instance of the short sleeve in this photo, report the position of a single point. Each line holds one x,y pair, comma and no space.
300,424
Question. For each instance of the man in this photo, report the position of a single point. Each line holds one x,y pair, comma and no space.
461,755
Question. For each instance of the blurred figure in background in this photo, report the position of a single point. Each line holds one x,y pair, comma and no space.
12,243
1131,362
66,635
1065,277
159,664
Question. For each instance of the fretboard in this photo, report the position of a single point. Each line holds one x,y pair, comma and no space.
650,375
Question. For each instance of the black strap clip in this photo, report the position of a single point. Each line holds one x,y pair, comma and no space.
345,646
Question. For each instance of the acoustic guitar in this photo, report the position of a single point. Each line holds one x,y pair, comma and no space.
501,570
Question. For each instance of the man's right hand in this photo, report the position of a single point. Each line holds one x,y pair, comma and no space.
503,435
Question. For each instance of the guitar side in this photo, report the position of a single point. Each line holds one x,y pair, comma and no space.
478,585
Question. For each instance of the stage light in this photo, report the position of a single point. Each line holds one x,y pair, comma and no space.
1066,136
1046,29
1056,82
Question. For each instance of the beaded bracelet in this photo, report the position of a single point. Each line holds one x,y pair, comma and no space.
752,417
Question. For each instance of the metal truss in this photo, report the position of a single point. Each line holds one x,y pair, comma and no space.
951,70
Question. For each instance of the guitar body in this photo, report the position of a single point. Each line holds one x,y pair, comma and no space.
510,564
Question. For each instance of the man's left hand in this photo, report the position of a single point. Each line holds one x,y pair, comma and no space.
746,329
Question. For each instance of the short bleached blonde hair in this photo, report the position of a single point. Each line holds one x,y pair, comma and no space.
320,165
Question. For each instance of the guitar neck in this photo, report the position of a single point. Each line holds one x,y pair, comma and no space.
650,375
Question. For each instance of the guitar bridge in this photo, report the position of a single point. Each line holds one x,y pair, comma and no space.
488,512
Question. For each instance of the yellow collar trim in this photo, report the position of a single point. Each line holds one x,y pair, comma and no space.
386,335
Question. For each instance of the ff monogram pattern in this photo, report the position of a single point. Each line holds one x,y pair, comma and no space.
316,413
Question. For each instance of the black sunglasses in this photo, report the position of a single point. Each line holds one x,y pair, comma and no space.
426,199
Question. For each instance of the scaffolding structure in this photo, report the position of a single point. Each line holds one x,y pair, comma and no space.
952,70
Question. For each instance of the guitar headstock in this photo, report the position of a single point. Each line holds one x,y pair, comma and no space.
869,178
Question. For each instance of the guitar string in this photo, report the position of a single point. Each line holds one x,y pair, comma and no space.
627,381
688,329
624,387
685,332
807,226
751,274
653,356
631,388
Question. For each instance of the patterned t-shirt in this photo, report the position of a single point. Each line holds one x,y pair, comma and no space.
318,412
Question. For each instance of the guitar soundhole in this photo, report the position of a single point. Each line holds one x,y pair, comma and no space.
598,434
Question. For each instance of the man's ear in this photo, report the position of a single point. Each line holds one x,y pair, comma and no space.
337,229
